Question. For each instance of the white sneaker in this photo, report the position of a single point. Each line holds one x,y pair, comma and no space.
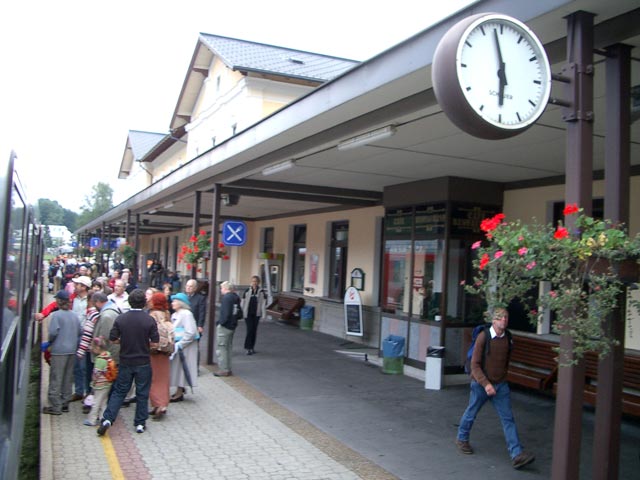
139,428
104,426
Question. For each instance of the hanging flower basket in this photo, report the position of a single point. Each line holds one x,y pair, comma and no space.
588,269
626,270
198,248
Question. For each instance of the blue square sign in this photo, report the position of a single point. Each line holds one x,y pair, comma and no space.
234,233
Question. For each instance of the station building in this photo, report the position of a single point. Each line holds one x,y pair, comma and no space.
350,173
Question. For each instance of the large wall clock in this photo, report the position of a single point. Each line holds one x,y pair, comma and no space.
491,76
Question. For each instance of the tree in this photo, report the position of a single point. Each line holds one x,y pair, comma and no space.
51,212
46,236
99,202
70,219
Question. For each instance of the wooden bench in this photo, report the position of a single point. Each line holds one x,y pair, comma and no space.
286,308
630,383
533,363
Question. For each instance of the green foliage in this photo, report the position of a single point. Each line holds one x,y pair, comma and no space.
582,268
51,212
29,457
98,203
70,219
129,255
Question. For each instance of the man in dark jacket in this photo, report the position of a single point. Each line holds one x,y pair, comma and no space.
137,333
230,312
198,303
489,382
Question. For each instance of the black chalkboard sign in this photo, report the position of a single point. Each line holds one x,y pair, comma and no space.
354,319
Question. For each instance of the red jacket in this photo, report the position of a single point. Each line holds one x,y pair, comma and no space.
53,306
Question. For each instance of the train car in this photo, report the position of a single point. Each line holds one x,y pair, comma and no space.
20,270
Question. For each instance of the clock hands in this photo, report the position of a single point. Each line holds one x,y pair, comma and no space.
502,75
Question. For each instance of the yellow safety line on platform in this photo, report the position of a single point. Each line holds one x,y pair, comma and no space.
112,458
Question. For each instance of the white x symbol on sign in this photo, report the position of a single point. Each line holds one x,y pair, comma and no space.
233,233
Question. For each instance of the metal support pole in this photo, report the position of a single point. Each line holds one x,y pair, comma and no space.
567,433
126,227
606,442
196,226
213,275
136,245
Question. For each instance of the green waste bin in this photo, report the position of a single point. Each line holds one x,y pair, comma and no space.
306,317
393,355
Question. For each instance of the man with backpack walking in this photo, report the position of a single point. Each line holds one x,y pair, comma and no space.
489,364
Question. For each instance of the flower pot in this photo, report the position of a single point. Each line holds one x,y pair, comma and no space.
627,270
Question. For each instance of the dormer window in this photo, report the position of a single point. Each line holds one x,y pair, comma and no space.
297,61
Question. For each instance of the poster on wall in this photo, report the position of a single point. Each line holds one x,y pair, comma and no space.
353,312
313,268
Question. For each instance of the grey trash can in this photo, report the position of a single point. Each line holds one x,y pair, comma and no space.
433,370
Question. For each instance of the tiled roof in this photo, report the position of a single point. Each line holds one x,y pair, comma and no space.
142,142
252,56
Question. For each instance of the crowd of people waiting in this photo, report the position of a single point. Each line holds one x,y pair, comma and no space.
102,324
111,343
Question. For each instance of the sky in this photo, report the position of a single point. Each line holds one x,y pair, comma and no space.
78,75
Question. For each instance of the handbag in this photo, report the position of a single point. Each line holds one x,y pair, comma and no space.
179,333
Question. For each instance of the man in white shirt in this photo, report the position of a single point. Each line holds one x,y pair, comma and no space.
119,296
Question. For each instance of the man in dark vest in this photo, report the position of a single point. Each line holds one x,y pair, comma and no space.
489,382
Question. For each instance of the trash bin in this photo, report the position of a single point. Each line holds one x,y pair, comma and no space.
393,355
433,371
306,317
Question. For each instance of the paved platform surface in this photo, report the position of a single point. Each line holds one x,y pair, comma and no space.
308,406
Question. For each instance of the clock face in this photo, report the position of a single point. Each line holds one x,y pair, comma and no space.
491,76
503,72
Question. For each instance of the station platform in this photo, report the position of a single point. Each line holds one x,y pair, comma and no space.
311,406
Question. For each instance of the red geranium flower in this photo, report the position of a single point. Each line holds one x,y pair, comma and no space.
489,224
484,261
561,233
571,209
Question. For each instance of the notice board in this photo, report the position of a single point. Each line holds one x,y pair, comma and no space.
353,312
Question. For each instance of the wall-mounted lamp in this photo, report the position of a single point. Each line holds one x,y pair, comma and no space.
229,199
367,138
278,167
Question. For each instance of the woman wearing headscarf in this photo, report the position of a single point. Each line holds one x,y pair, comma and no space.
160,365
186,333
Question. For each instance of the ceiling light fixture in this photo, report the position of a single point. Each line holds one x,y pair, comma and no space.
169,205
367,138
278,167
151,212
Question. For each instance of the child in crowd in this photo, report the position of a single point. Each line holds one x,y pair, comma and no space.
100,381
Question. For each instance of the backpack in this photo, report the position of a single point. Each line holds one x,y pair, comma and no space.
487,344
166,332
112,370
237,311
167,343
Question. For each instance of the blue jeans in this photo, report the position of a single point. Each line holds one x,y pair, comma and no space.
127,374
502,403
